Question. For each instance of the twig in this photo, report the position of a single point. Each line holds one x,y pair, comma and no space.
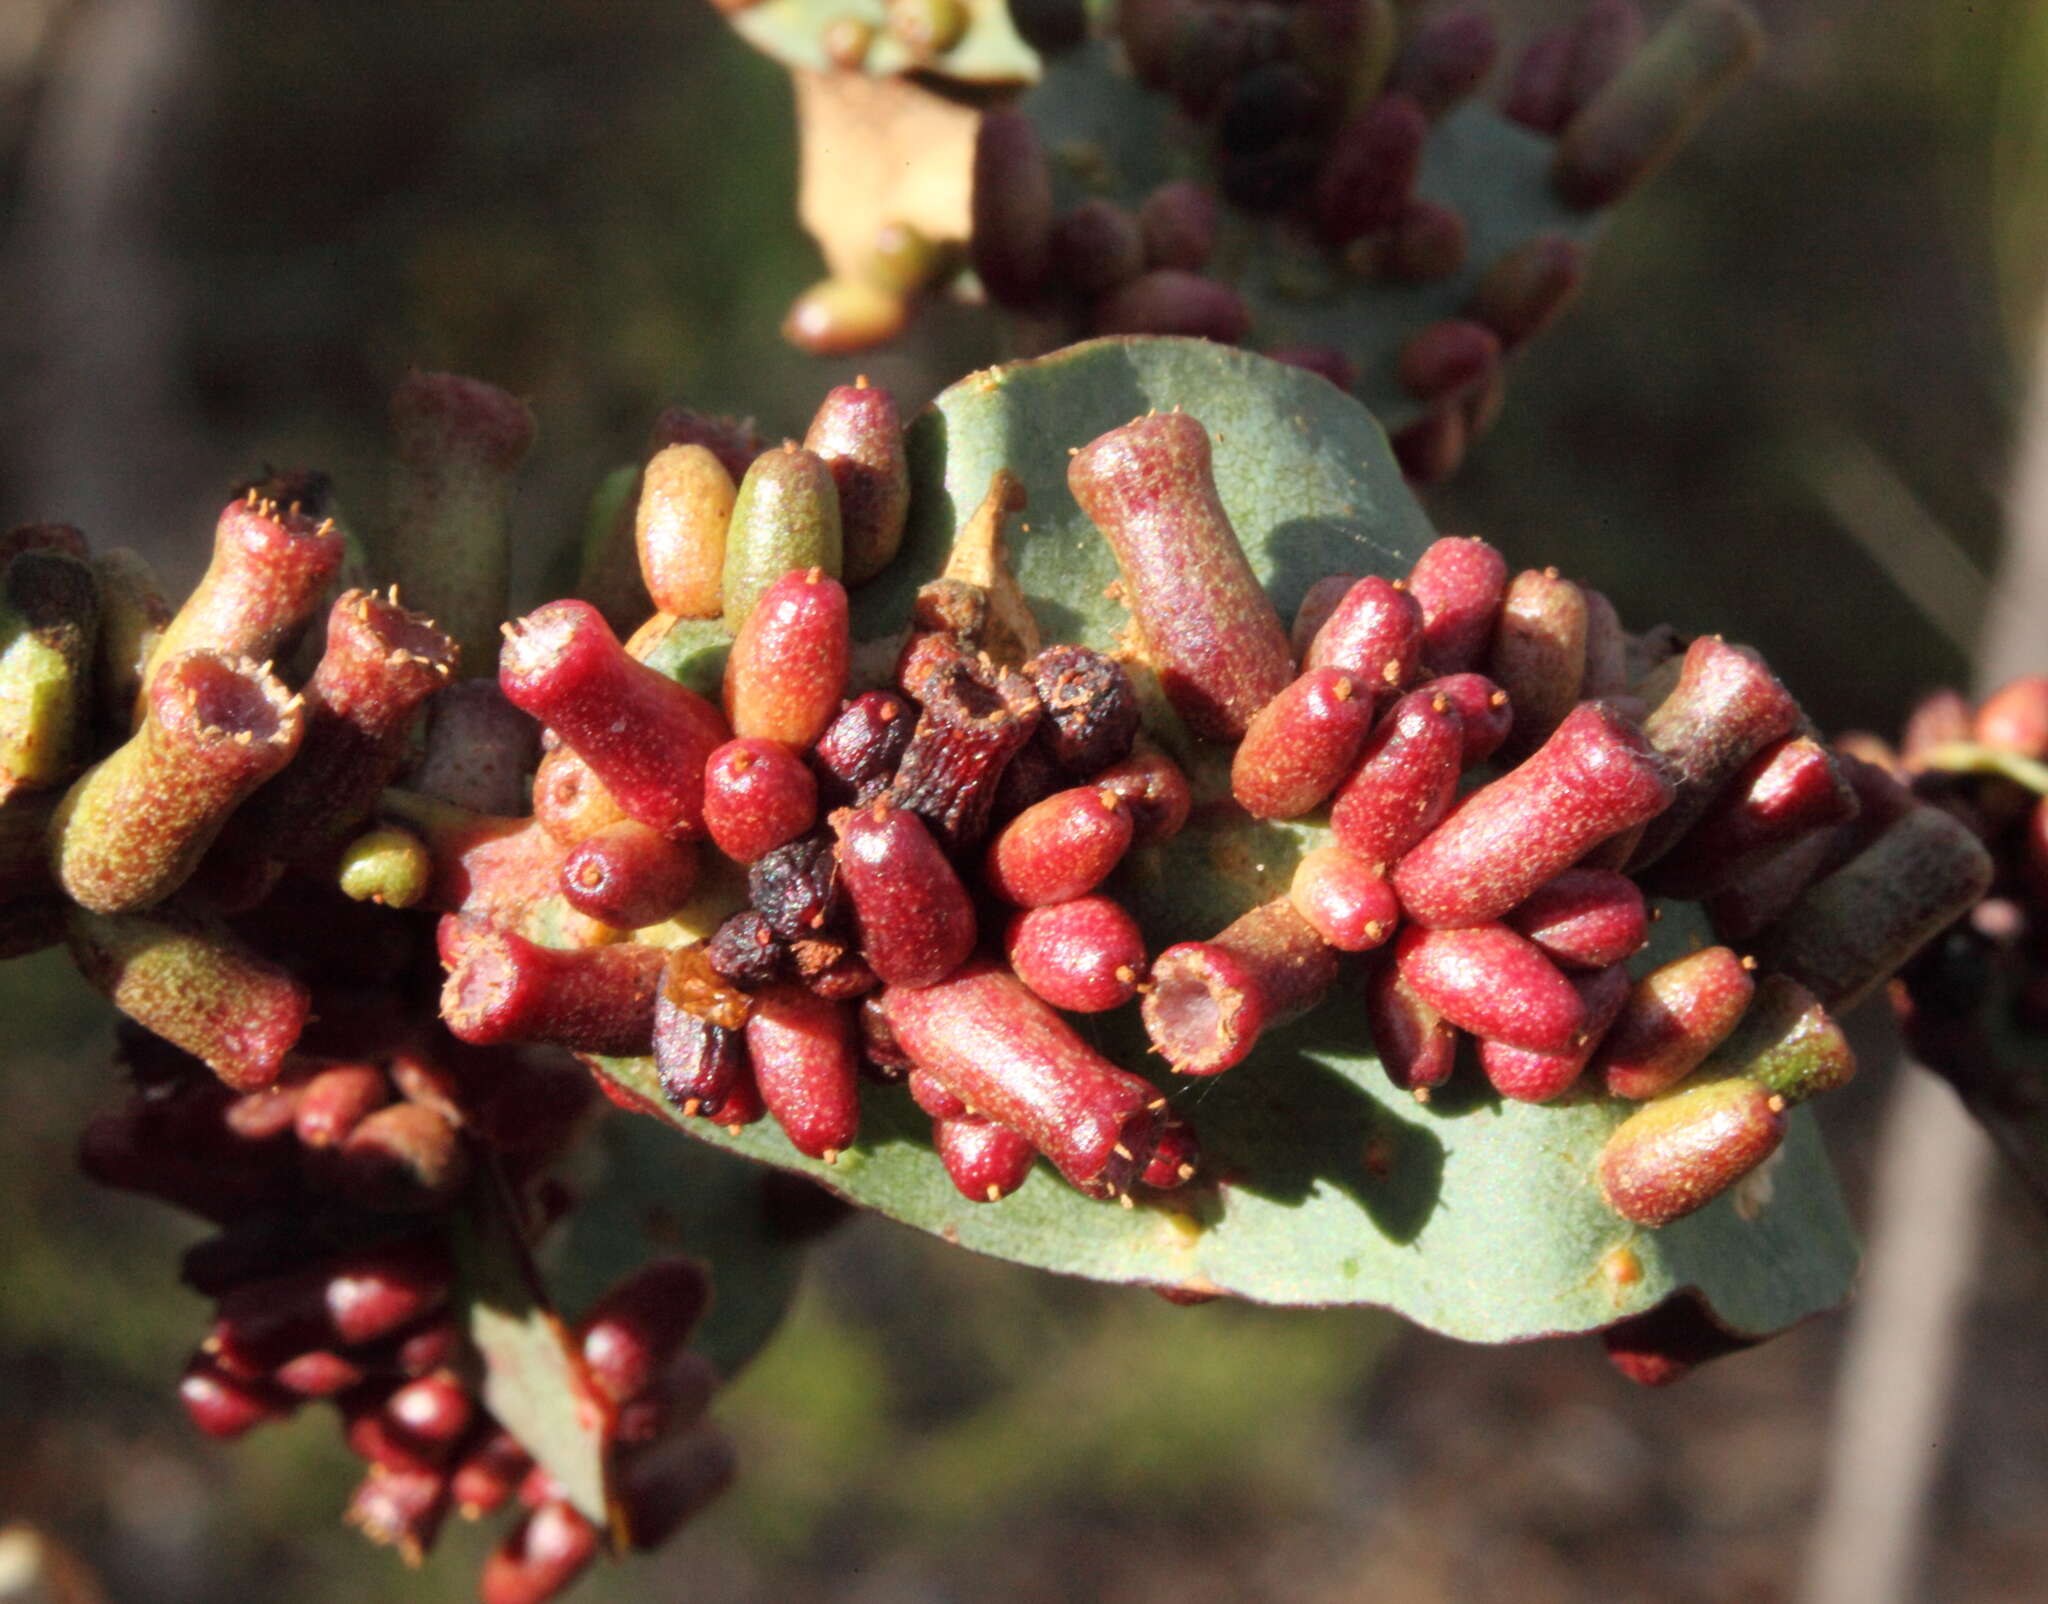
1898,1367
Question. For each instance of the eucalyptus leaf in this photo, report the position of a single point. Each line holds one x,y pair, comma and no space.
1304,472
642,1196
1473,1216
534,1381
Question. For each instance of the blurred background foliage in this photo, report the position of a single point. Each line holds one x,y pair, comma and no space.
1783,409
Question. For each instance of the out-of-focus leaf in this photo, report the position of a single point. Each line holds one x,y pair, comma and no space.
1110,136
987,51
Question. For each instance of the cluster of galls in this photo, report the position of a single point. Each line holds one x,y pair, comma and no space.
1965,998
990,788
1019,785
332,1273
932,864
932,843
1508,911
1310,120
183,800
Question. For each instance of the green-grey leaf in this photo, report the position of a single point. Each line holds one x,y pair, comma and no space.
693,653
793,32
1305,474
533,1382
644,1197
1472,1216
1110,136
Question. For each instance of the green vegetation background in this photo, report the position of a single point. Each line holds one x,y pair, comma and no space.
1794,353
